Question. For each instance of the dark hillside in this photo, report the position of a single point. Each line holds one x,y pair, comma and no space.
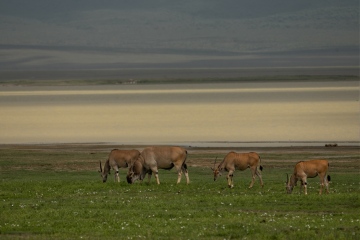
110,34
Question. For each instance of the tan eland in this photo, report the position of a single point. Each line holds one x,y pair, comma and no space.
239,161
118,159
154,158
309,169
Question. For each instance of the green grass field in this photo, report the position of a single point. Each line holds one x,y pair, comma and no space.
56,193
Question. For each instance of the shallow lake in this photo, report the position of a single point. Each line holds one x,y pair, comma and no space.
326,111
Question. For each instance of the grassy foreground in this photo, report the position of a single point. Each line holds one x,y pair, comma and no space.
57,194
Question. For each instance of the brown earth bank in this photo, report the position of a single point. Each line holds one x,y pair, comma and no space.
76,157
138,76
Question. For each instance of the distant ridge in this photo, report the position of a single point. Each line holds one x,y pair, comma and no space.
42,34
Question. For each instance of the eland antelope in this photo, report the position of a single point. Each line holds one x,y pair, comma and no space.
154,158
309,169
118,159
239,161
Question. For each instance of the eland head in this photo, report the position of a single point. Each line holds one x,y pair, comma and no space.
136,171
290,183
104,172
216,170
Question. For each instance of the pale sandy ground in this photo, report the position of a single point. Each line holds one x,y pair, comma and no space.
186,113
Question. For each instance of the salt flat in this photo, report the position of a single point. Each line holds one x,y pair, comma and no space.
171,113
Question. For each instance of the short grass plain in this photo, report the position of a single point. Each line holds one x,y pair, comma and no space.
55,192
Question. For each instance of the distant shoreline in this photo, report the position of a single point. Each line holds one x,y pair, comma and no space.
204,144
175,76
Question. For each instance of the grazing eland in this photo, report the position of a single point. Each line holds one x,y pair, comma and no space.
118,159
154,158
309,169
239,161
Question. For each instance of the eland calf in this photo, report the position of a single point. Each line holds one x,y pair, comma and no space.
239,161
154,158
118,159
309,169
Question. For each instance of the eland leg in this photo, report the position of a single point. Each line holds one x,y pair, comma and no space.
258,173
304,182
187,176
303,186
116,175
149,176
179,176
253,175
157,177
322,183
179,172
326,184
155,170
230,179
185,171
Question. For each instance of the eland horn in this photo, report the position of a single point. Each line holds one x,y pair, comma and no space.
215,163
100,167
